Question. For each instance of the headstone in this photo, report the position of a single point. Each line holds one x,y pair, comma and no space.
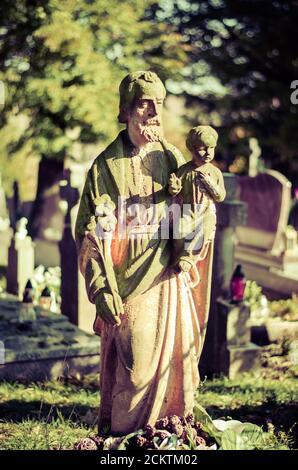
235,351
45,348
46,218
20,259
293,216
268,199
74,301
266,248
49,224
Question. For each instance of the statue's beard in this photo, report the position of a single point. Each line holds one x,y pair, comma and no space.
151,131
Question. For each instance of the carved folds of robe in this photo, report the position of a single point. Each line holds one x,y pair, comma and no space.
149,364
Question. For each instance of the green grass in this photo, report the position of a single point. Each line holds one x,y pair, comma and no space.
54,415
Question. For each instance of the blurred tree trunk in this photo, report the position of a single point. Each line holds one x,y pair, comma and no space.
49,173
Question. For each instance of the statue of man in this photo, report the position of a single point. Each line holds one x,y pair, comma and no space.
150,318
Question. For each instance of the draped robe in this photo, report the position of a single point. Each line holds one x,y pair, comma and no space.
149,364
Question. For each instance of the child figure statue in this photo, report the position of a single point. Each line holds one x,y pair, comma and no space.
196,186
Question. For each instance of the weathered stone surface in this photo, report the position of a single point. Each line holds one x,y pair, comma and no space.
268,250
232,214
268,197
75,303
20,264
148,345
233,323
5,240
231,185
238,359
44,348
233,352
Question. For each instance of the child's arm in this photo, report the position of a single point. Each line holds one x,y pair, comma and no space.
214,186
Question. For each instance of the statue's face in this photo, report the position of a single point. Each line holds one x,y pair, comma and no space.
204,151
144,121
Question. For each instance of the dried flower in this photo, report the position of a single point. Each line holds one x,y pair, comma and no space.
85,444
149,431
177,429
200,441
190,419
162,423
198,426
140,441
162,434
174,419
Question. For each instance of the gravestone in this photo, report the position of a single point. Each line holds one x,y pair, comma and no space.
74,301
235,351
262,246
46,219
45,348
268,199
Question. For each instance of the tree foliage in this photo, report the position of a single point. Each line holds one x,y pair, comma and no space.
251,48
61,64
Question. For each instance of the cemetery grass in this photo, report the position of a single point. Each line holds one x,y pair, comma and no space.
55,414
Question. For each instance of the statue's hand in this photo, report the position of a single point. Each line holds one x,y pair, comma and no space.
185,265
175,184
204,178
109,307
188,266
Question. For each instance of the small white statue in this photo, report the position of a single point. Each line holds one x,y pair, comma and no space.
21,228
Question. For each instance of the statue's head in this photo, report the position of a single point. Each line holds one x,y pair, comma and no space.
201,142
141,99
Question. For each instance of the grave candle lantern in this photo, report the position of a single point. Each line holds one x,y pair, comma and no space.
237,286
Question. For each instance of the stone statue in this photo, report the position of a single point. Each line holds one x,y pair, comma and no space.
21,228
197,186
151,322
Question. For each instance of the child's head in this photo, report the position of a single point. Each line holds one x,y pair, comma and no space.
201,142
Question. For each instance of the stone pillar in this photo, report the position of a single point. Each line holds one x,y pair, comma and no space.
6,231
5,241
234,351
20,264
74,301
230,213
